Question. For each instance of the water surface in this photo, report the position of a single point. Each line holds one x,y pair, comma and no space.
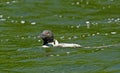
94,24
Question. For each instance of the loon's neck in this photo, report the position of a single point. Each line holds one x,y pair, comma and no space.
55,42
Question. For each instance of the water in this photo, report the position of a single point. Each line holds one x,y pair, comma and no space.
94,24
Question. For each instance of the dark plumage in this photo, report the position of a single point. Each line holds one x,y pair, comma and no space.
47,37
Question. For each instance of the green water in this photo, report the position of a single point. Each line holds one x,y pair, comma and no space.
94,24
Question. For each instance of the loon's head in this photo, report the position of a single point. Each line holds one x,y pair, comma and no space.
47,37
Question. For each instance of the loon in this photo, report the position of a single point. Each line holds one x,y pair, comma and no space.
48,40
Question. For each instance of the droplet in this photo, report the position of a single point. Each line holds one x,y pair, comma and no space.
111,0
72,26
1,16
87,3
22,21
109,6
8,17
106,33
103,7
102,49
16,21
83,35
77,3
78,26
68,52
22,37
51,55
57,55
7,40
69,38
21,16
14,1
113,32
118,19
98,33
1,40
75,37
88,24
29,36
60,16
33,23
34,37
88,34
72,3
62,37
7,2
39,40
93,34
52,70
12,21
17,36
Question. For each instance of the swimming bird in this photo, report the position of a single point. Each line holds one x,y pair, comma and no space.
48,40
